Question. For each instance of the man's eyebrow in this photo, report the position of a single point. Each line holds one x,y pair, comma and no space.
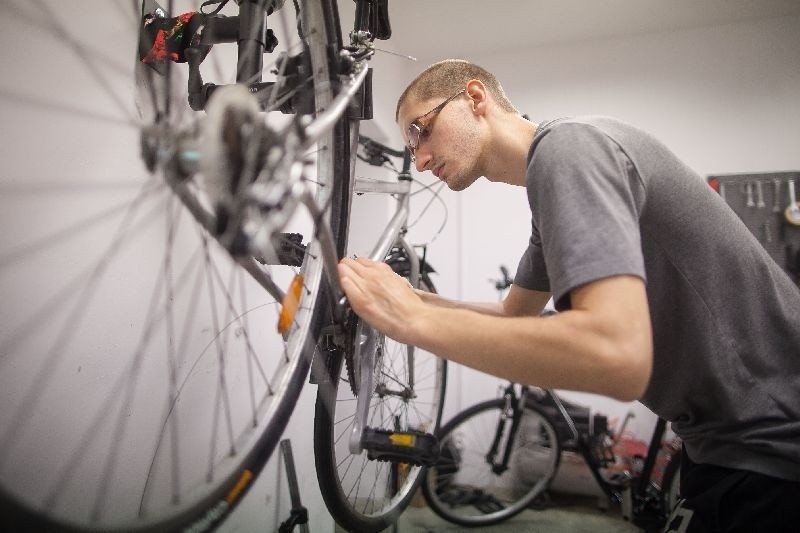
413,121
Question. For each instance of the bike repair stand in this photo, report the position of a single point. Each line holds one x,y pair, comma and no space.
298,514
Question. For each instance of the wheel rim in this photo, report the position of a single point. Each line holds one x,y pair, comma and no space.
133,380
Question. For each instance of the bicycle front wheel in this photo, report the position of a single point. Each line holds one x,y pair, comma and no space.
143,381
470,487
368,495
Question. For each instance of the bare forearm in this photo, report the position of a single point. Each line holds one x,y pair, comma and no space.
518,302
494,308
603,344
567,351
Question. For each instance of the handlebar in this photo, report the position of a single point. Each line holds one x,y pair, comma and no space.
505,282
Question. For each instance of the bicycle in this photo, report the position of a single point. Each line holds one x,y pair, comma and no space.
498,457
347,421
141,386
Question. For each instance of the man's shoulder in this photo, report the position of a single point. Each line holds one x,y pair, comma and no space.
588,133
577,124
570,135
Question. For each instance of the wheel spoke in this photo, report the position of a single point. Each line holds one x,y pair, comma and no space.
87,57
126,385
63,340
140,369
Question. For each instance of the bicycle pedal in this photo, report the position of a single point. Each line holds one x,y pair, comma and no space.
414,447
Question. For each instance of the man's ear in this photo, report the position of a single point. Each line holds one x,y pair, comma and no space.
476,91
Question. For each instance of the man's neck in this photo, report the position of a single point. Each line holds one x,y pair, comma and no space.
506,158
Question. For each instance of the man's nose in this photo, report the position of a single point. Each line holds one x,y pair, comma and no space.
422,158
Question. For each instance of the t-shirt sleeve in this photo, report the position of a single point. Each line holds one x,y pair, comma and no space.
532,269
586,198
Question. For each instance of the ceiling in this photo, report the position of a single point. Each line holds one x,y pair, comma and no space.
434,29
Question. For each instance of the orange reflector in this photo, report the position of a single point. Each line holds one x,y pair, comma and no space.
291,301
398,439
237,489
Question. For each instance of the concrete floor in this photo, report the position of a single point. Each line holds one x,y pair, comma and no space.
575,504
565,514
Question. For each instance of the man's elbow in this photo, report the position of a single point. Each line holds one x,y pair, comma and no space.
633,390
633,366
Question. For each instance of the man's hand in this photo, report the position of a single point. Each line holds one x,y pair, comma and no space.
381,297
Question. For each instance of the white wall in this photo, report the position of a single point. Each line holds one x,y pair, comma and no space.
725,99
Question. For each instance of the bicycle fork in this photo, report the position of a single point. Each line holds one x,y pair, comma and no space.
504,436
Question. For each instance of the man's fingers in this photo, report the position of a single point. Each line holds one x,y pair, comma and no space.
365,268
351,289
361,260
372,279
347,272
362,265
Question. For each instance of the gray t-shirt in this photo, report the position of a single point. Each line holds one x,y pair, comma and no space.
608,199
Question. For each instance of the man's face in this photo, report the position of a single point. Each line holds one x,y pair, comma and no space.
448,143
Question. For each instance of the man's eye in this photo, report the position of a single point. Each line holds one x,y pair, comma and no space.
424,132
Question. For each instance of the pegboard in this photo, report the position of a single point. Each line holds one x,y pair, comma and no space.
761,201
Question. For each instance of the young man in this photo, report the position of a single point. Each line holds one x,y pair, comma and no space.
664,294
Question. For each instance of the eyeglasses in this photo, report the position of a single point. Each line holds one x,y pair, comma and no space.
418,132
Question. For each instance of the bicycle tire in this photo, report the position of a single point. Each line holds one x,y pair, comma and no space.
341,474
84,422
463,488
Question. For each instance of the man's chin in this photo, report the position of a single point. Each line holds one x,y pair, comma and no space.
458,183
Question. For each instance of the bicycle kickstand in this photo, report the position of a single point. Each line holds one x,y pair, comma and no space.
298,514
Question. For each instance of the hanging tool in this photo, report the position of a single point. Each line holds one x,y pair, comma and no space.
792,212
776,196
760,195
748,187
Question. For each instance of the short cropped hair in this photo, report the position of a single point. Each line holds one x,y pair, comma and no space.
445,78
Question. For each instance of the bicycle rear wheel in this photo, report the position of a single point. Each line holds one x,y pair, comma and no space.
367,495
464,488
143,383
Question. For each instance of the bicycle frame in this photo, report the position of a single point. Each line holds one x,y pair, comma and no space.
632,494
286,180
514,409
367,338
